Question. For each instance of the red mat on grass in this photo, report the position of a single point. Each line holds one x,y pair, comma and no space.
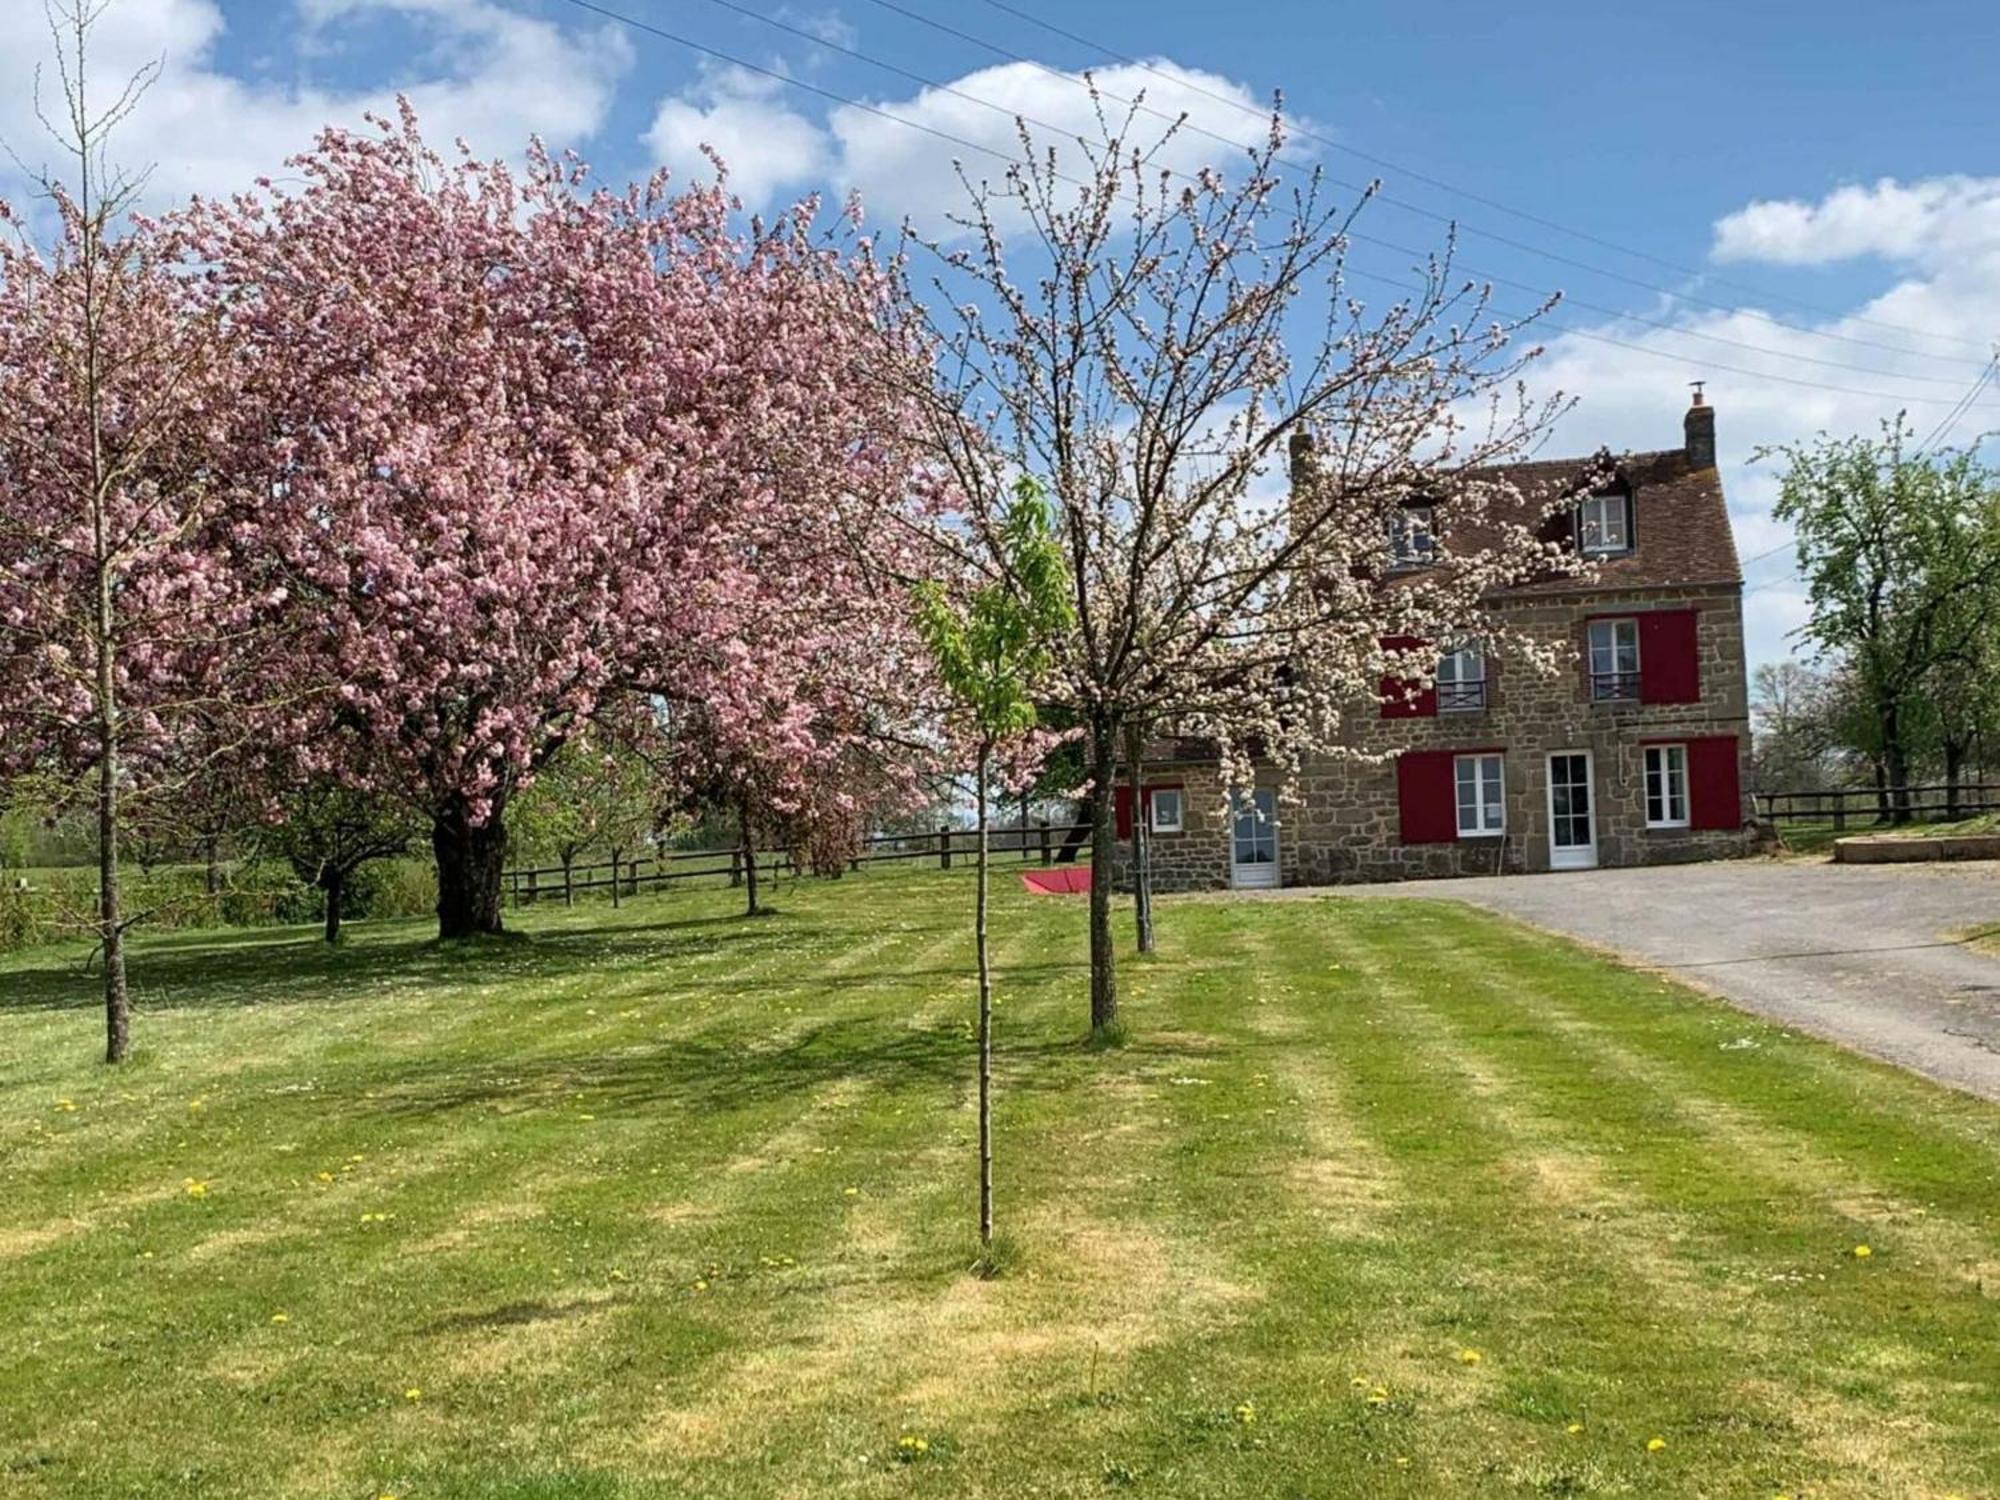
1073,881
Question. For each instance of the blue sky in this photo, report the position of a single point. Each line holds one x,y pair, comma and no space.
1813,188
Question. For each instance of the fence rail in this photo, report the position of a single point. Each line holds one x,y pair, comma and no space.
1843,805
1048,843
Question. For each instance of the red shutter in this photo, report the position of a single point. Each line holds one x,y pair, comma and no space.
1398,699
1427,797
1715,794
1669,664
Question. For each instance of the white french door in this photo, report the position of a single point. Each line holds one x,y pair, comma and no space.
1572,816
1253,841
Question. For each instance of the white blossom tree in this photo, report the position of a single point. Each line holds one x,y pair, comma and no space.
1155,348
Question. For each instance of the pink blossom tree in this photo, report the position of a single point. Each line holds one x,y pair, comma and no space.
527,433
118,626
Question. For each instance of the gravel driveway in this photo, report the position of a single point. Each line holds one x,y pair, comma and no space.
1864,955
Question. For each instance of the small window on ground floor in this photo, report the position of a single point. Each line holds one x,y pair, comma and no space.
1166,809
1481,795
1666,786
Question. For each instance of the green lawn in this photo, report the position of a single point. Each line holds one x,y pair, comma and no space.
1381,1199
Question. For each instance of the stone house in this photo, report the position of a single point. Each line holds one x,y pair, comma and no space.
1632,755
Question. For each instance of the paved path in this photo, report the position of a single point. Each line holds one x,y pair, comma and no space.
1864,955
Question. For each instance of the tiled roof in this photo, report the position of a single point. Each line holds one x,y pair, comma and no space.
1680,530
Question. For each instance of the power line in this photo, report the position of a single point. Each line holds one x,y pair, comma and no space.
1493,203
1951,418
952,91
984,150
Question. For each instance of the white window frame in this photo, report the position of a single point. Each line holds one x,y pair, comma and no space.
1614,651
1489,795
1412,537
1591,529
1160,823
1455,660
1667,761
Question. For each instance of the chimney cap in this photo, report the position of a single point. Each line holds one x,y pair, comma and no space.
1697,384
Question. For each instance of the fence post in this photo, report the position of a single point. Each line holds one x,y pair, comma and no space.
736,866
1839,811
944,847
614,879
1048,858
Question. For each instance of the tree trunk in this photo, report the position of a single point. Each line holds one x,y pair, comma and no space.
749,859
1142,844
110,905
470,861
616,900
569,880
110,900
1103,846
334,883
1896,761
1954,772
985,1024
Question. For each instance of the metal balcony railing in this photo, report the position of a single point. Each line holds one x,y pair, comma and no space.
1462,697
1614,687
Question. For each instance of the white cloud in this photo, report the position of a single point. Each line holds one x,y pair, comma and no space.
1926,222
740,116
487,73
901,154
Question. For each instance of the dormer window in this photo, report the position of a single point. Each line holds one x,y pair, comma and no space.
1412,543
1604,524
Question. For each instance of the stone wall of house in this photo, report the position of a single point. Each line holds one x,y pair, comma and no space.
1343,821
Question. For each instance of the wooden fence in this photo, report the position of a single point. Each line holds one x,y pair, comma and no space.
1924,804
1047,843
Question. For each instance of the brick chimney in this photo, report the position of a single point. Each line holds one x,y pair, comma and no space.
1699,424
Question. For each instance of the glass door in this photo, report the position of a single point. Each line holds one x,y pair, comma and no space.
1572,825
1253,853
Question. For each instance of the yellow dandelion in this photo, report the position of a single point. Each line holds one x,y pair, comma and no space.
414,1393
196,1103
1378,1397
1574,1428
1862,1252
1359,1382
701,1286
280,1318
323,1177
196,1188
1246,1413
1469,1356
1402,1462
67,1106
853,1192
1654,1445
